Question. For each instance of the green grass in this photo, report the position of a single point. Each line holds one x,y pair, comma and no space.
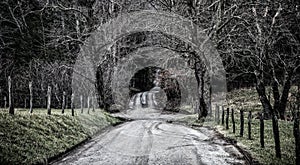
191,120
265,155
247,99
33,138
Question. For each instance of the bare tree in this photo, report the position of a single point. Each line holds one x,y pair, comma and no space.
263,44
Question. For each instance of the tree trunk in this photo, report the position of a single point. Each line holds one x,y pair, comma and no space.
284,97
203,105
93,104
276,95
104,85
10,97
276,135
199,74
216,110
280,102
100,86
261,90
31,97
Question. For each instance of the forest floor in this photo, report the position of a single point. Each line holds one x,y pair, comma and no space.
37,138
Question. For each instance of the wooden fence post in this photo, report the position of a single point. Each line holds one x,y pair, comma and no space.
72,103
227,118
31,97
223,115
81,103
262,129
63,103
25,103
242,123
233,122
88,104
67,103
49,100
216,113
249,125
40,102
46,101
10,97
5,102
93,104
210,111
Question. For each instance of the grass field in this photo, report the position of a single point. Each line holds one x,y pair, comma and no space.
247,100
264,155
34,138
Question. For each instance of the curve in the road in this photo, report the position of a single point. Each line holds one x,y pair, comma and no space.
155,142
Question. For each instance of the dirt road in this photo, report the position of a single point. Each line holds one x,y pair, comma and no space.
151,141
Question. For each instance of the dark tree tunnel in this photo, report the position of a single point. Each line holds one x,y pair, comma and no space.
143,81
131,43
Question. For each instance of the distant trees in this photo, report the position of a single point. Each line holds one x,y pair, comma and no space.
256,39
39,33
49,32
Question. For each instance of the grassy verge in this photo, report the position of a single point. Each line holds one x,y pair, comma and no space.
33,138
247,99
264,155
